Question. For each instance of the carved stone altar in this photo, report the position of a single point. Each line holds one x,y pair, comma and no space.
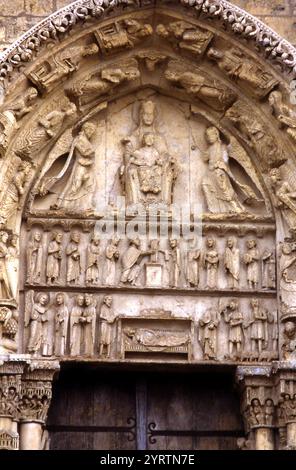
147,206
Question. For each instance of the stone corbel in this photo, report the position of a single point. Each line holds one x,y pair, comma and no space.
258,405
35,398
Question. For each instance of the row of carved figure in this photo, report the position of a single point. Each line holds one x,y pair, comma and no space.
101,264
250,338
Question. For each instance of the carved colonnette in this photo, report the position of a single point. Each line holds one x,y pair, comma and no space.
25,388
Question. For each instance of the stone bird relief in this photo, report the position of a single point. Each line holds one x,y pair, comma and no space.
148,172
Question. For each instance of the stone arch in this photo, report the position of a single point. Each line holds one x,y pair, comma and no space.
200,65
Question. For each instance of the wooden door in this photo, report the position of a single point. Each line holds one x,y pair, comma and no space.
126,411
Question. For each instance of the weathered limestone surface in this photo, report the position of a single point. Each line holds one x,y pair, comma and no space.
147,207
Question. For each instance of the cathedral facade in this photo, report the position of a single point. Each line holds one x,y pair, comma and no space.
148,230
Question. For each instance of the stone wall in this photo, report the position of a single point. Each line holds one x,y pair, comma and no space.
17,16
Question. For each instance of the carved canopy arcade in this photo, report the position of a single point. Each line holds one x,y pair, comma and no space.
115,116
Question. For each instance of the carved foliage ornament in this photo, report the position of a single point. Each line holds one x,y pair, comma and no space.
239,22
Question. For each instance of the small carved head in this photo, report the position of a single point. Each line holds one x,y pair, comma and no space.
32,94
211,243
254,303
95,239
215,54
88,299
231,242
37,236
4,236
290,329
148,139
42,298
275,98
14,240
89,129
136,242
80,300
147,113
115,241
60,298
162,31
252,243
108,300
255,402
212,135
173,243
275,175
154,244
57,236
75,236
91,49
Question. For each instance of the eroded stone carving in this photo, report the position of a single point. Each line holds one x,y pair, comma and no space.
256,135
76,320
124,34
232,263
46,129
284,114
59,66
74,268
235,320
54,258
185,36
61,324
16,188
36,321
78,190
244,70
8,330
208,325
285,196
268,270
251,260
93,260
148,174
174,259
92,87
112,257
219,183
5,286
35,258
192,271
211,261
107,320
198,85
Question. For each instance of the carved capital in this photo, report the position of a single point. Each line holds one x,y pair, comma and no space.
10,388
36,391
258,397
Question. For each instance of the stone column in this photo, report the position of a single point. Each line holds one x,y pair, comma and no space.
10,388
36,393
258,402
286,389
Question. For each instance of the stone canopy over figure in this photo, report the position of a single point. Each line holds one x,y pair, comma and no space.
149,172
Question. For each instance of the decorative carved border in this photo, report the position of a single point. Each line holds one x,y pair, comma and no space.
58,24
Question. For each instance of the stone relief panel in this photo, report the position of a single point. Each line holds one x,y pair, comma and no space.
120,325
129,151
81,257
